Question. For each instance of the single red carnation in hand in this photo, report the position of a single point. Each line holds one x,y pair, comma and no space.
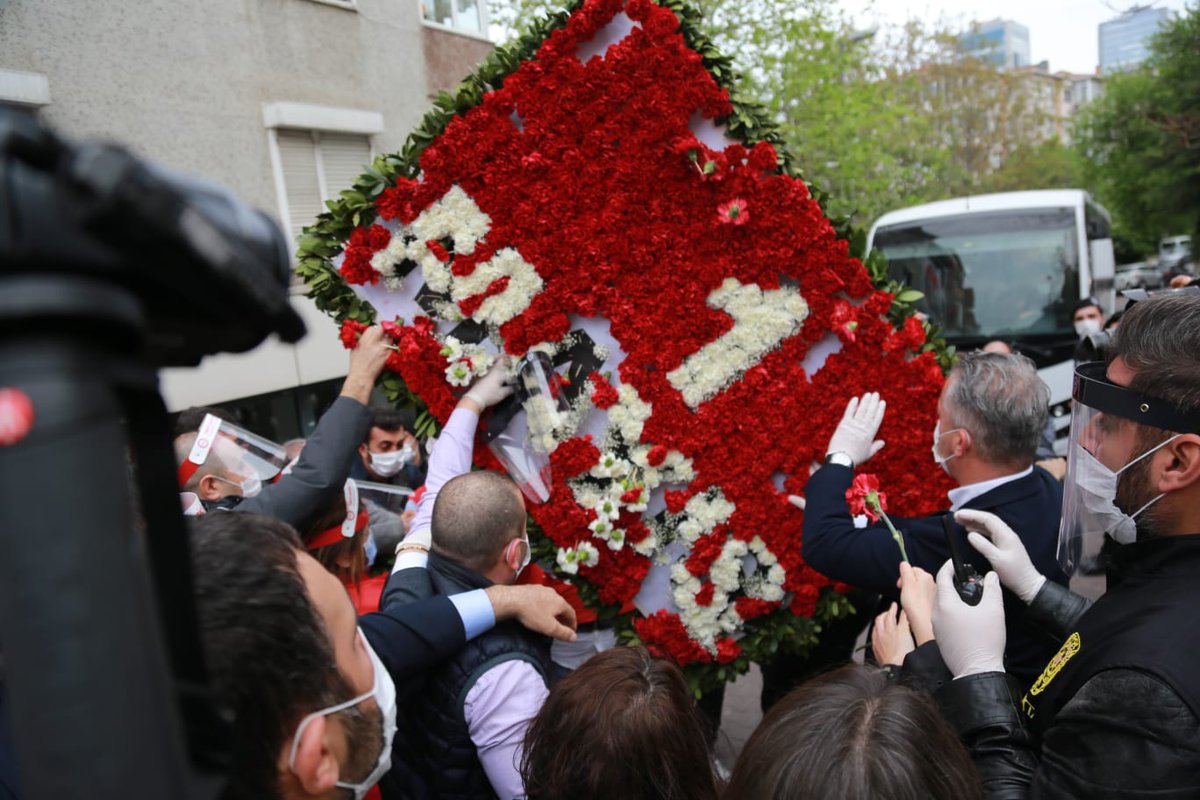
864,497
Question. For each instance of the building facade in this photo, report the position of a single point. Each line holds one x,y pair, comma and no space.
1125,41
283,101
1000,41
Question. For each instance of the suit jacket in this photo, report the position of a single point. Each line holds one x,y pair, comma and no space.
410,639
318,477
869,558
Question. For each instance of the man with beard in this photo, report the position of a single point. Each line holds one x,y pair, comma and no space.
313,688
1116,712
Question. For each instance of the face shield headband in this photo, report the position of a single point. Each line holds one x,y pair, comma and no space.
1105,420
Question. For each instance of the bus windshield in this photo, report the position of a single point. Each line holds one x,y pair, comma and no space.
989,275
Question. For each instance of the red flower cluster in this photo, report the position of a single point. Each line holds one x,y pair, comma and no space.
627,216
603,394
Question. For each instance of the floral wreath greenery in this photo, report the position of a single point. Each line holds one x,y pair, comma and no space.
408,215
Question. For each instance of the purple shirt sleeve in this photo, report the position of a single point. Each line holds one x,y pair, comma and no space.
450,458
498,710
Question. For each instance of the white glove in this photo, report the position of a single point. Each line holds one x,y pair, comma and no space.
855,434
1005,551
971,638
492,387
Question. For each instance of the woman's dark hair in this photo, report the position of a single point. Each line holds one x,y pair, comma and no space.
623,725
850,734
347,558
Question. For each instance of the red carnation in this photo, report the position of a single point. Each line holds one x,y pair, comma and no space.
676,500
438,251
763,157
350,333
734,212
603,393
657,455
727,650
864,497
704,597
843,320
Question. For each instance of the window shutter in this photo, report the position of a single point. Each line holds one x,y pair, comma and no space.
298,158
346,157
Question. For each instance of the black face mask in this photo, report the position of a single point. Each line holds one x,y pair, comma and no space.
227,503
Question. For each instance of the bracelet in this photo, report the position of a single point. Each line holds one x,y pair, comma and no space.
404,547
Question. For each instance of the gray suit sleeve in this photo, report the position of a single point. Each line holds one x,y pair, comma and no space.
315,482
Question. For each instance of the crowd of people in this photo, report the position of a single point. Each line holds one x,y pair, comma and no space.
369,621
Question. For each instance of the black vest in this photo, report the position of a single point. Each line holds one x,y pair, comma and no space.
434,756
1146,622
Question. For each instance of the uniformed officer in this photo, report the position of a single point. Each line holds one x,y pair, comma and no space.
1116,712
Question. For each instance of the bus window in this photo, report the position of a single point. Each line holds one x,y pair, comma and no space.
990,274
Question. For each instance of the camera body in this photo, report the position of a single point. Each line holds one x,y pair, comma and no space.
111,267
209,273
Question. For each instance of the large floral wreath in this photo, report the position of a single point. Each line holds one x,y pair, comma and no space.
708,321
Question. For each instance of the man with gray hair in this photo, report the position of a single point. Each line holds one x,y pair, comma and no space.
990,418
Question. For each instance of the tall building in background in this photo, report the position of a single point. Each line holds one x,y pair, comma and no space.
1125,41
1001,41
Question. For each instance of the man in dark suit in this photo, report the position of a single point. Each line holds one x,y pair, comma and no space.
314,689
990,417
315,481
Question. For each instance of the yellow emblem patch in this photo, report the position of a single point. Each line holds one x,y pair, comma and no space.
1065,653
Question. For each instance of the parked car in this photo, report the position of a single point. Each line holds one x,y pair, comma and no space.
1138,275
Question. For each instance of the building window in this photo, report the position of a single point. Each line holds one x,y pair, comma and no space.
316,152
315,166
468,16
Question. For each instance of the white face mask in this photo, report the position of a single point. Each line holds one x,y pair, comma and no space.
937,437
384,692
385,465
1098,491
1084,327
526,558
248,487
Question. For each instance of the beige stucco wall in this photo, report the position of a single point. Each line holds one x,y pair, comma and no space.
185,84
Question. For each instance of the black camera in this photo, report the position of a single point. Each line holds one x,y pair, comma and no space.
1095,346
111,267
209,273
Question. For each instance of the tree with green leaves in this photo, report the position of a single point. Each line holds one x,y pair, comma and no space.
1140,142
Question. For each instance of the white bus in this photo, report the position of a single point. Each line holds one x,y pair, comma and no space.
1006,266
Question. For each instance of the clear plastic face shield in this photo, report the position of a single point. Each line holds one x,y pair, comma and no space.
523,443
386,505
1104,449
247,459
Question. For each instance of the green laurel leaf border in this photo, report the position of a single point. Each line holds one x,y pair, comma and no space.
749,123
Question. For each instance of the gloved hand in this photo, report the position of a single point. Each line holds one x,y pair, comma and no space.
971,638
855,434
492,387
1004,549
